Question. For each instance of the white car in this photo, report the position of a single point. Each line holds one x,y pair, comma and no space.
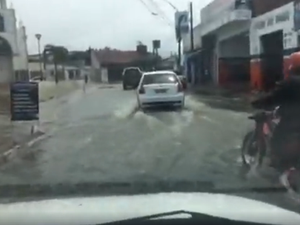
160,88
165,208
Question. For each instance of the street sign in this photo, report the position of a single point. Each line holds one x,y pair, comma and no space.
24,101
182,23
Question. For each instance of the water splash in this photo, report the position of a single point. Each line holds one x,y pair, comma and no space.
126,110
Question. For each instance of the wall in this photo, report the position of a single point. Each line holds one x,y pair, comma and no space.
261,7
10,28
234,59
278,19
226,32
215,9
21,60
95,67
232,29
34,66
186,43
235,47
9,34
186,40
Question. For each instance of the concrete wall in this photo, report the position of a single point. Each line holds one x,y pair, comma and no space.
16,38
186,40
265,24
21,59
237,46
233,29
95,72
34,66
10,33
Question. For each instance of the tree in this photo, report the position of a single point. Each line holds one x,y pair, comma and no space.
59,56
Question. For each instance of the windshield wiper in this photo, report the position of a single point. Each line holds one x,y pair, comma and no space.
195,216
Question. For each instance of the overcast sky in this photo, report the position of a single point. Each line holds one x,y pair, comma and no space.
78,24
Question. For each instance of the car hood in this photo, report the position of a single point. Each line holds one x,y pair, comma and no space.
107,209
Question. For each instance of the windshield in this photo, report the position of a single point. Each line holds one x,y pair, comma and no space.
72,124
132,73
160,79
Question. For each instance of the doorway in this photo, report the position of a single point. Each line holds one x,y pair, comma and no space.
272,59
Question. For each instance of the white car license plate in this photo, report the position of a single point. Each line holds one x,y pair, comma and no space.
159,91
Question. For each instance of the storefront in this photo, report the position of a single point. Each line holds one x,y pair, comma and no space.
273,37
225,40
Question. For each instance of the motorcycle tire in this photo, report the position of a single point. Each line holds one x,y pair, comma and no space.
249,149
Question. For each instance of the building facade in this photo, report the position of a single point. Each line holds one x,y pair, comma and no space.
242,41
273,37
13,47
223,43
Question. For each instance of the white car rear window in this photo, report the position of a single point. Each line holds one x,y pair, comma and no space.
160,79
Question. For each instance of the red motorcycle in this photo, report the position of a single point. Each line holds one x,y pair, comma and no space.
256,145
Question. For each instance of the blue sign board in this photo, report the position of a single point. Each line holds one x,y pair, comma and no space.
24,98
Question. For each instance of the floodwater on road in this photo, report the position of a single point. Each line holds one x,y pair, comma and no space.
101,137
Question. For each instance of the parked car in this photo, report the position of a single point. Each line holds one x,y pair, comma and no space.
131,77
160,88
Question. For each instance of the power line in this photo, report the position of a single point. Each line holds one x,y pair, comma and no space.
161,13
171,4
153,13
148,8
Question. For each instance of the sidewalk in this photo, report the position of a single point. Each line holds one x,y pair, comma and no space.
17,133
234,97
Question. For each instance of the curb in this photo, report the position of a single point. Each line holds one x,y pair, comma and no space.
20,149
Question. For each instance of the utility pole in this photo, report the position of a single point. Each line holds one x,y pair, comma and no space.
179,53
38,37
192,26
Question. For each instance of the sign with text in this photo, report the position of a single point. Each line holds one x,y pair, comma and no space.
24,97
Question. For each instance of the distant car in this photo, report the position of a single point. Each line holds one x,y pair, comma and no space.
131,77
160,88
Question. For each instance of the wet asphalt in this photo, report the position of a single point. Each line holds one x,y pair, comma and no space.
100,137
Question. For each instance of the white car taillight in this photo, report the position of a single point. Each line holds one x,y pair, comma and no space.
179,87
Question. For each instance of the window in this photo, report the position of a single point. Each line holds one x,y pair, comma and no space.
282,17
2,24
160,79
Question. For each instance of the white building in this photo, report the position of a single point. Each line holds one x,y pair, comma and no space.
273,33
222,41
13,47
